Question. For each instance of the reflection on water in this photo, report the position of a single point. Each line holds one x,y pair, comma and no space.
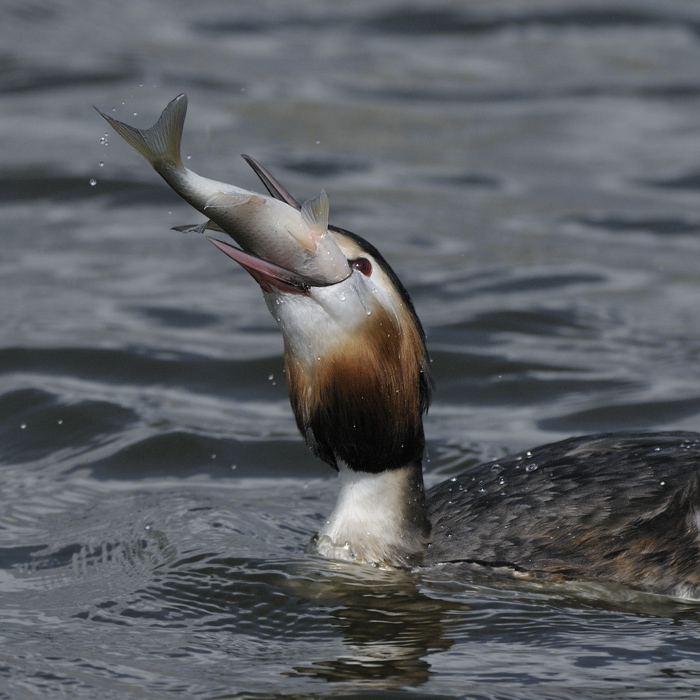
531,172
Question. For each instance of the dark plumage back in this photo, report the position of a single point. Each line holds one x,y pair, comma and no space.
617,507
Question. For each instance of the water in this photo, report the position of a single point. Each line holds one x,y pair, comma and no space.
531,171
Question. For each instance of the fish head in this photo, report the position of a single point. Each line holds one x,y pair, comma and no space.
324,285
291,236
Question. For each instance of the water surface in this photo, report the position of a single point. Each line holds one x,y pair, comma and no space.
530,169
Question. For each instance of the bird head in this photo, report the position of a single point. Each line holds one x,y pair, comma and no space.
355,356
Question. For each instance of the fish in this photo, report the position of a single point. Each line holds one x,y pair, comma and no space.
277,235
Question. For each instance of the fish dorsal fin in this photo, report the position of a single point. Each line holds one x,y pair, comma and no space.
314,213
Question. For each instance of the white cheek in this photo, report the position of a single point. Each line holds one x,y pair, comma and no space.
314,324
317,323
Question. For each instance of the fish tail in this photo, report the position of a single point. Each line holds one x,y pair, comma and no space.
159,145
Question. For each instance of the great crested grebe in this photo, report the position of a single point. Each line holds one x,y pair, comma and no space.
619,507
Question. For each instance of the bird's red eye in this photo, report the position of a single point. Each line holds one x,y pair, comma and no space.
363,265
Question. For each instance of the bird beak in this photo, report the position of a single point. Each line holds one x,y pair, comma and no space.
272,185
268,275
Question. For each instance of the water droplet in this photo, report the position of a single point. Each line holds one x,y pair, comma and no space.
101,164
104,140
318,143
528,454
213,455
23,426
531,467
93,182
147,527
188,157
136,114
662,483
233,466
501,480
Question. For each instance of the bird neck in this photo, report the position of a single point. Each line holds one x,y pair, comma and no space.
379,519
360,400
359,391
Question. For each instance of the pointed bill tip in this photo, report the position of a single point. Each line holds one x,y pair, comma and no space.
272,185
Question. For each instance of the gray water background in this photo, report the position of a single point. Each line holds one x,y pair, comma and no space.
530,169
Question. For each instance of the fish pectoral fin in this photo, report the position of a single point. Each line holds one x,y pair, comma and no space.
222,200
199,228
314,212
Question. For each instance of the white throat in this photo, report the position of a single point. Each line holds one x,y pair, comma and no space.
371,523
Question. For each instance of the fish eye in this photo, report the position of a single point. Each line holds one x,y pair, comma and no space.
363,265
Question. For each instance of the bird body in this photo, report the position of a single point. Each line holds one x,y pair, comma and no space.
619,507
